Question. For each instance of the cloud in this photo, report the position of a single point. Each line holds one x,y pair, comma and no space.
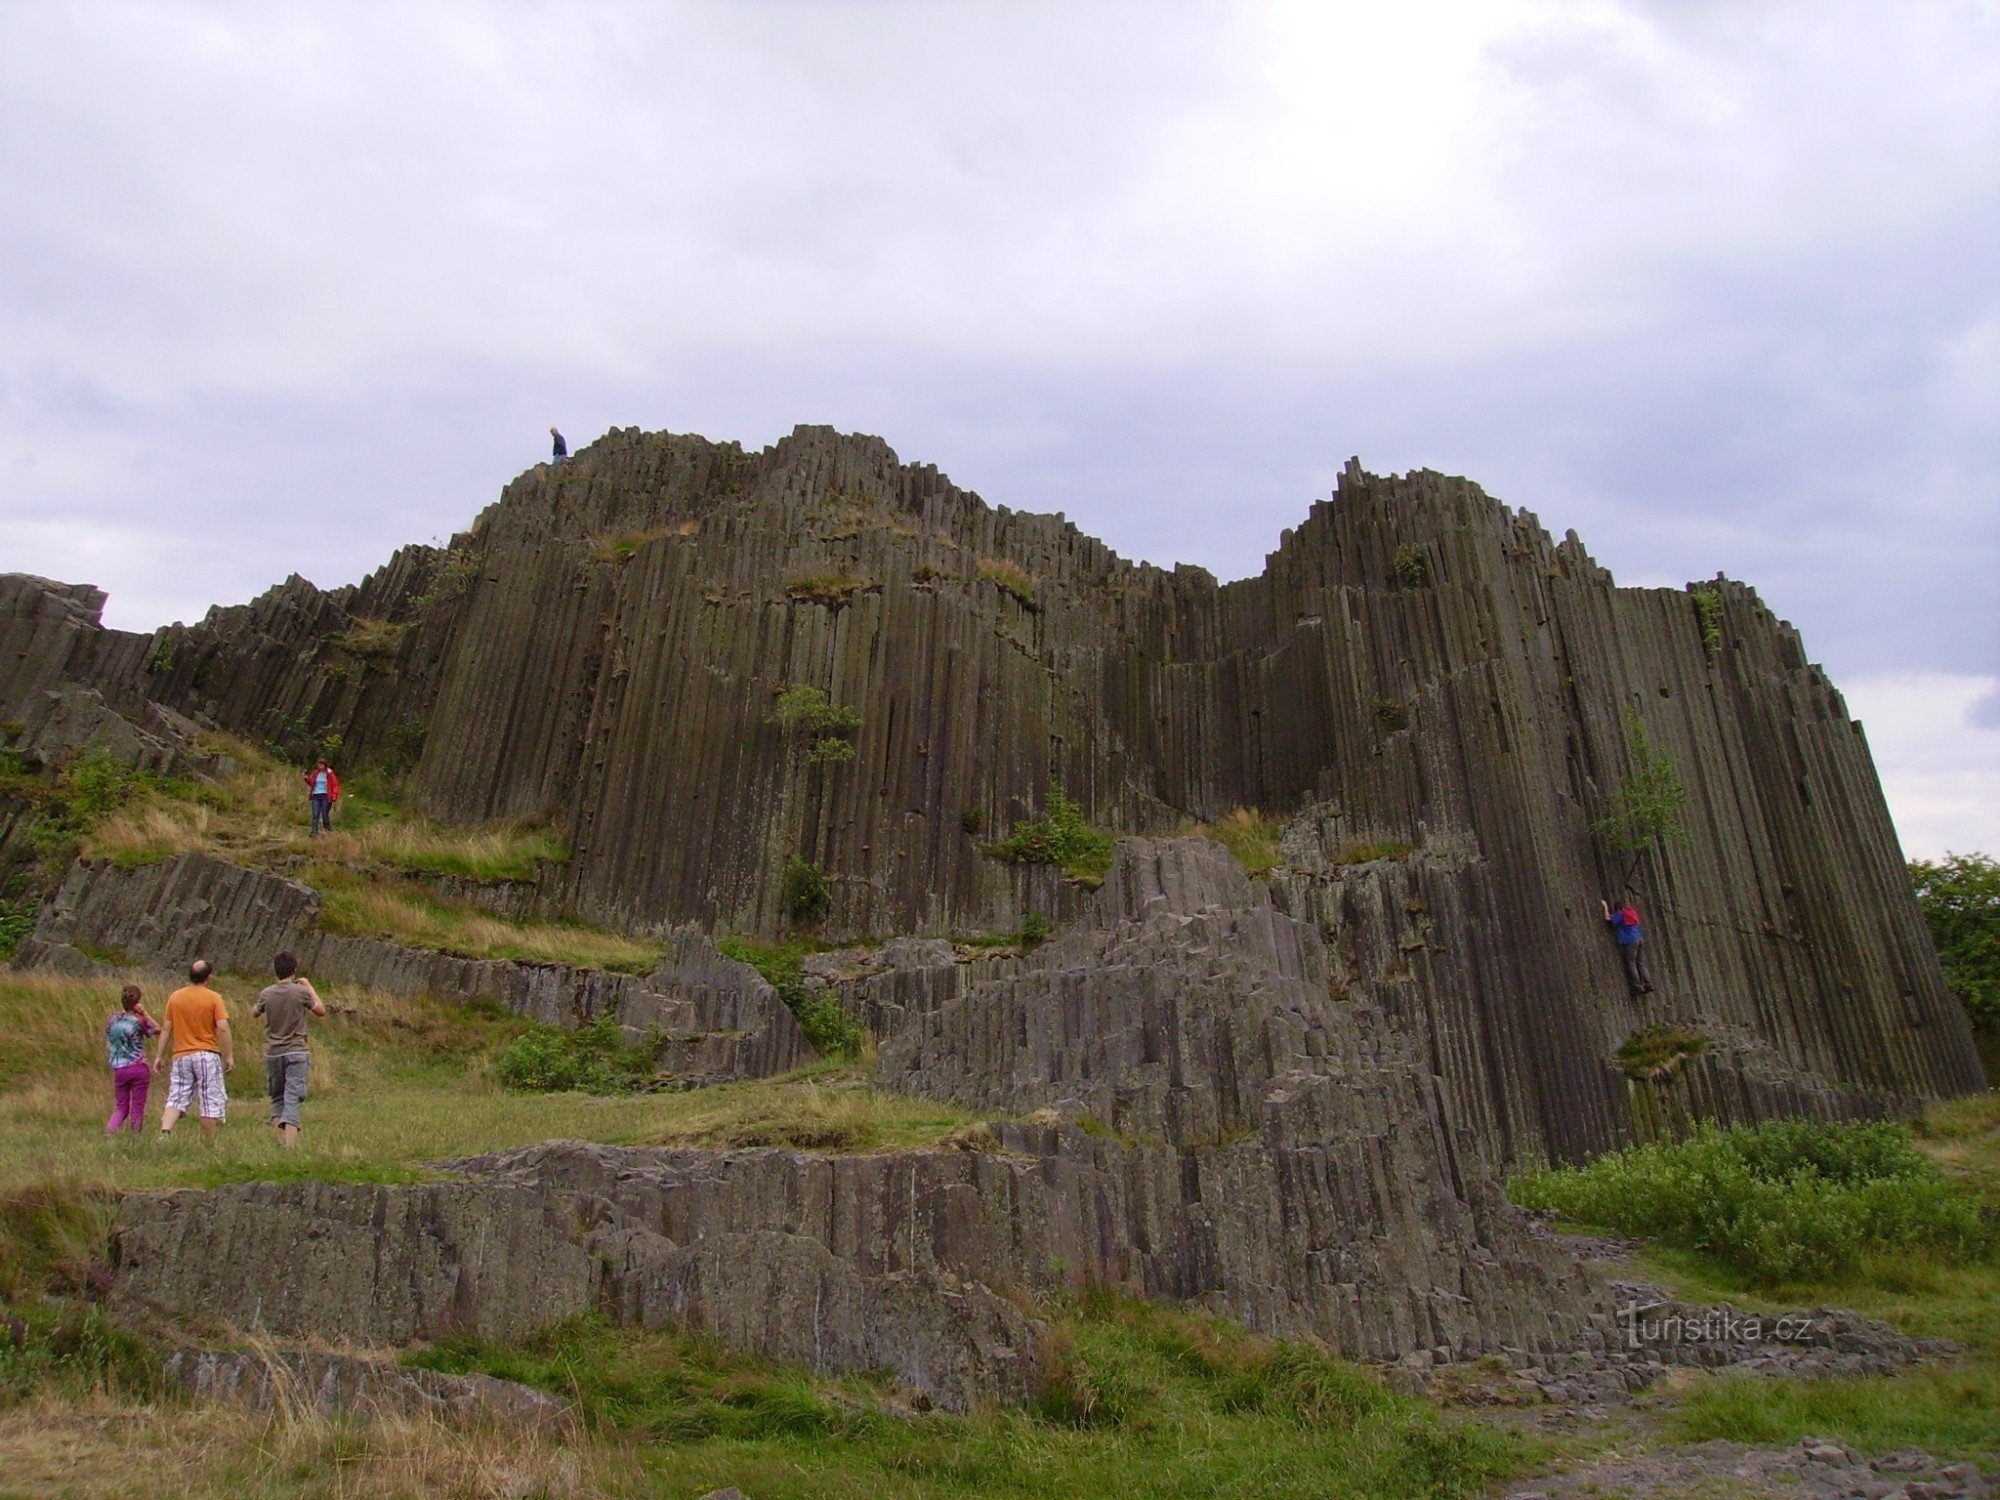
283,285
1937,746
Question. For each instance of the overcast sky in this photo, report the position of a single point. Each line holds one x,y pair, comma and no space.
1716,284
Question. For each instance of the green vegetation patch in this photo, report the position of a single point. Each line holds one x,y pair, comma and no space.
591,1059
1249,835
1658,1051
1010,578
834,591
1708,614
1649,811
819,726
1960,899
1141,1401
375,641
1947,1412
804,891
1062,837
826,1026
1411,566
1367,851
1778,1201
400,911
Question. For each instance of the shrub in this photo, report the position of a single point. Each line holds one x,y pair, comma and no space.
1412,569
452,573
830,750
825,1024
819,723
1061,836
593,1059
1782,1201
1708,612
1960,899
1649,811
804,891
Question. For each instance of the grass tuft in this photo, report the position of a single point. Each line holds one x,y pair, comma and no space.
1246,833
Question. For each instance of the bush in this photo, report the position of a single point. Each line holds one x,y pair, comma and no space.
592,1059
804,891
1410,566
1784,1201
819,723
826,1026
1061,836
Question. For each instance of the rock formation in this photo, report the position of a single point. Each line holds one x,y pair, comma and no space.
1191,1115
1419,672
1286,1099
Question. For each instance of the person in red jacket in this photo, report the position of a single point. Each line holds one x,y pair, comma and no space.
324,787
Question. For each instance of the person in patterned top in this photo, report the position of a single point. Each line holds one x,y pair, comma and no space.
125,1037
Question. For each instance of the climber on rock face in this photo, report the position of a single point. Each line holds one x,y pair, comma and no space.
561,448
1631,943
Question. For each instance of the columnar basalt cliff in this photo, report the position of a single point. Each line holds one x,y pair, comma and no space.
1431,691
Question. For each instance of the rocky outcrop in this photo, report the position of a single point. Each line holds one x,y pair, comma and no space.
714,1018
1432,691
1197,1118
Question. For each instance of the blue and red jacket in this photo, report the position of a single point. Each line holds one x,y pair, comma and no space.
1625,922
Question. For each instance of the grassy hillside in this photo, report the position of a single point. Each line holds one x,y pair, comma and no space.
1143,1401
396,1083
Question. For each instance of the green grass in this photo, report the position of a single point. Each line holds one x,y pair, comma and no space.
1657,1051
1142,1401
257,818
357,905
1946,1408
396,1083
1780,1202
1251,836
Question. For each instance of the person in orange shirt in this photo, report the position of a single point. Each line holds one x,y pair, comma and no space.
196,1035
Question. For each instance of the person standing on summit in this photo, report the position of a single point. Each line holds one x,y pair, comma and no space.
561,448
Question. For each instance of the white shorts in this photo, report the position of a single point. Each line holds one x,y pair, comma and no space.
197,1076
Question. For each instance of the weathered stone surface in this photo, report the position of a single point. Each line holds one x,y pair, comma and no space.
1206,1124
716,1018
1418,668
289,1379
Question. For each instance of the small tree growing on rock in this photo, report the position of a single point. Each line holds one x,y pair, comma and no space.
822,726
1650,810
